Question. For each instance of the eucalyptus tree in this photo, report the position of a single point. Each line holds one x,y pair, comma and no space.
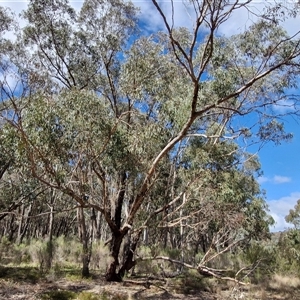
109,110
207,203
293,216
76,50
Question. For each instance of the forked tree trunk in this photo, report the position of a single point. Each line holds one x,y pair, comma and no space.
118,235
115,272
112,271
128,255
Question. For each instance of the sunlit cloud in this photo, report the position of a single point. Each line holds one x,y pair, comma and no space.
279,208
239,21
281,179
243,18
262,179
183,15
277,179
284,106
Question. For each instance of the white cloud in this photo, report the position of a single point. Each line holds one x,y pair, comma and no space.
281,179
284,106
262,179
183,14
280,208
277,179
242,18
238,22
10,81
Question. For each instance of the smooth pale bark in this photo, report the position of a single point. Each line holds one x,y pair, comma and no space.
86,253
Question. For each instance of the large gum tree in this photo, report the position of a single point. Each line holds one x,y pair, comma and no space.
124,123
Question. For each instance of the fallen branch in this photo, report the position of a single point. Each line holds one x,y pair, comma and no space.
203,270
145,284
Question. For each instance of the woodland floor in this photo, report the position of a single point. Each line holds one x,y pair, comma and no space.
27,283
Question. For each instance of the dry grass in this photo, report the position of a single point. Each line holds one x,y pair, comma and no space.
278,287
283,283
27,283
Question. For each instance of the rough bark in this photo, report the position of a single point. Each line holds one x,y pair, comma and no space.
118,235
128,255
111,273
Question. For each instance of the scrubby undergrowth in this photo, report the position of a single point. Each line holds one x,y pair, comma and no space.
23,274
18,283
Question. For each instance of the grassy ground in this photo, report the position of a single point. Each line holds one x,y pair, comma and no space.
65,284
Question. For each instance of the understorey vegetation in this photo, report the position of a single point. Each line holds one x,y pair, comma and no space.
126,151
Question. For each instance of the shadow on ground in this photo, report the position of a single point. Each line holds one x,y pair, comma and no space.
29,283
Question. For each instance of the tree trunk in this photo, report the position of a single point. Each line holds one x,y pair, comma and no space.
128,255
99,222
50,240
23,229
21,218
111,273
12,229
117,234
86,253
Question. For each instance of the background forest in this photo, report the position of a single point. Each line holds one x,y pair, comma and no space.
126,151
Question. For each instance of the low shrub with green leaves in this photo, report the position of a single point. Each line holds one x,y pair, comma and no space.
58,295
287,253
90,296
105,295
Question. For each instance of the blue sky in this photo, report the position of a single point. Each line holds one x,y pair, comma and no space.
280,164
281,178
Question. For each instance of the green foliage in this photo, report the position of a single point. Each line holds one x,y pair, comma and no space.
147,266
41,253
288,253
6,19
65,256
68,250
16,273
90,296
14,254
58,295
190,282
144,129
274,131
37,252
105,295
100,256
294,215
171,252
4,247
261,259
